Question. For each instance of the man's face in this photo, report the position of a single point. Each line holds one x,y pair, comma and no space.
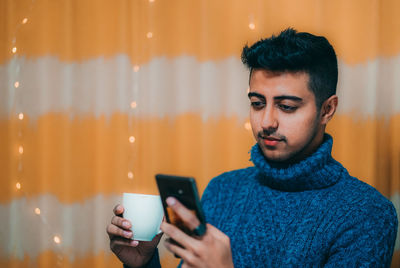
283,115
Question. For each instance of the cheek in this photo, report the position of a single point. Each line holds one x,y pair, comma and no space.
253,120
298,127
254,127
255,124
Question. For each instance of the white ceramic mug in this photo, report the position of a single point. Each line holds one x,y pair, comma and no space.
145,212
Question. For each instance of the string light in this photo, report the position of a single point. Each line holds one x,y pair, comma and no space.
37,211
149,35
136,68
133,104
132,139
57,239
151,1
130,175
18,185
247,126
252,26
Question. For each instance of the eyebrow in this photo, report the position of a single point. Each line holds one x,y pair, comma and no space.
282,97
254,94
288,97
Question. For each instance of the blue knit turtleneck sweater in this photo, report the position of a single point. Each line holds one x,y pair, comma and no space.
310,214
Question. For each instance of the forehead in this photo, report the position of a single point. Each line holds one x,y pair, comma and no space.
273,84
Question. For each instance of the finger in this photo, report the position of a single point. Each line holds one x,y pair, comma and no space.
187,216
115,231
121,222
118,210
187,256
118,242
179,236
216,234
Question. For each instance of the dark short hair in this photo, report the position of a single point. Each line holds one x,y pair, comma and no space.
293,51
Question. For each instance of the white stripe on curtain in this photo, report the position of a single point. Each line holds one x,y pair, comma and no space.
169,87
81,226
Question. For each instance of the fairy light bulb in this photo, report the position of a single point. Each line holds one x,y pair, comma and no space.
149,35
151,1
20,116
37,211
133,104
130,175
25,20
14,50
252,26
132,139
57,239
18,186
136,68
247,126
21,149
16,84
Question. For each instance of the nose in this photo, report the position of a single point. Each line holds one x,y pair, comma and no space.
269,120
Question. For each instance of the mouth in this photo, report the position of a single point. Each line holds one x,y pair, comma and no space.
271,141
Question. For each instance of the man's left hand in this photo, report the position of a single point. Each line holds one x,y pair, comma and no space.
213,249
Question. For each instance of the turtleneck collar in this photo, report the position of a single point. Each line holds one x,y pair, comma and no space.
317,171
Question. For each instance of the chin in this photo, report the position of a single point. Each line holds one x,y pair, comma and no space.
280,157
278,160
275,156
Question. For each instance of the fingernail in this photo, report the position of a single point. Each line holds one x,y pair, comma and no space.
171,201
126,224
134,243
127,234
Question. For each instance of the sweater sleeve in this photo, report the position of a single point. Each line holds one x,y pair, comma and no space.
210,201
209,194
368,241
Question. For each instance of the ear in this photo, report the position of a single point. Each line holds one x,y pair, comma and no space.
328,109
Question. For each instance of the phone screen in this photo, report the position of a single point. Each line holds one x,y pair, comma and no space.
177,221
184,189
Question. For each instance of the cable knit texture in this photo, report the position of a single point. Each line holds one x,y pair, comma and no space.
310,214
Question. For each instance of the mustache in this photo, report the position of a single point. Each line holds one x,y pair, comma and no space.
270,134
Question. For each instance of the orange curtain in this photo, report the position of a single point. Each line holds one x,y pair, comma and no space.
97,96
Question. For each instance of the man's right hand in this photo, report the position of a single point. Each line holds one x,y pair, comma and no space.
131,252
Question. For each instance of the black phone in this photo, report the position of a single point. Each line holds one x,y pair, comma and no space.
185,190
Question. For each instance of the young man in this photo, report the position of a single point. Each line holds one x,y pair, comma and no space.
297,206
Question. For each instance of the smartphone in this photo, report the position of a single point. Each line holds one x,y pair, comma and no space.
185,190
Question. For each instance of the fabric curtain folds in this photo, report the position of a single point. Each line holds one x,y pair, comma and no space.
98,96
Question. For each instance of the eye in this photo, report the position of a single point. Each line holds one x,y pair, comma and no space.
257,104
287,108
